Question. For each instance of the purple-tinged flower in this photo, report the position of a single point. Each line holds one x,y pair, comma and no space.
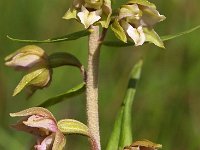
41,123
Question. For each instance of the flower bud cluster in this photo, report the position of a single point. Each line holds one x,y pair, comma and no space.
34,61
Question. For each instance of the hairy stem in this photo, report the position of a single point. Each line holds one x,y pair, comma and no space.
95,41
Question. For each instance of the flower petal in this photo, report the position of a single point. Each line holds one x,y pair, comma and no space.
150,16
20,126
22,60
142,2
38,78
132,11
88,18
26,57
137,35
70,14
41,122
106,14
119,31
153,37
34,111
46,143
59,142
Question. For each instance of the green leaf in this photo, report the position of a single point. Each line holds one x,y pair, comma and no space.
126,126
118,31
69,37
153,37
70,126
122,131
172,36
61,97
62,58
113,142
27,79
163,38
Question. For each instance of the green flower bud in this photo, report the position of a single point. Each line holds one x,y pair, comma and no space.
34,60
26,57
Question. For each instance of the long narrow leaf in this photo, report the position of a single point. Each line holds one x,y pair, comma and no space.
61,97
69,37
172,36
122,131
163,38
126,126
113,143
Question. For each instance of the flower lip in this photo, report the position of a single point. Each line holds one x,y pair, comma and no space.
136,34
41,122
88,18
46,143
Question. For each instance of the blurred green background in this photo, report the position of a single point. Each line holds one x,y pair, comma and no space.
167,105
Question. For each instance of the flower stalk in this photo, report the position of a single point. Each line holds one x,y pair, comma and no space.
95,40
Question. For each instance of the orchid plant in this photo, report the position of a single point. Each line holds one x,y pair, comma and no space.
132,23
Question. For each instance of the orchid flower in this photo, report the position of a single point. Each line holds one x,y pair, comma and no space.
40,122
136,20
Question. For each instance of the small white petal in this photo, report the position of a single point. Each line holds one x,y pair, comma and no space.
136,34
88,18
23,60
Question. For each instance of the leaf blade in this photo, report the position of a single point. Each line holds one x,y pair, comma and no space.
113,142
172,36
120,136
126,126
61,97
69,37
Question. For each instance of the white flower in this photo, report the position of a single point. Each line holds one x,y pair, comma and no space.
88,18
136,34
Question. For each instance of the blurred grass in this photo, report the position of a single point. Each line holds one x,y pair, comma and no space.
167,106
